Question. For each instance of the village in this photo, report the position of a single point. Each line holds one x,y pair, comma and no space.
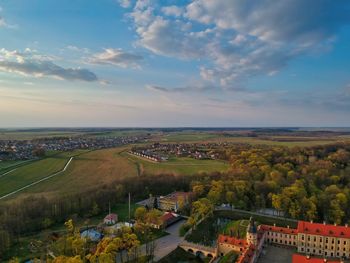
33,149
160,152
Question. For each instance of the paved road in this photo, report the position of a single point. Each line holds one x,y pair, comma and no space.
164,245
167,244
37,182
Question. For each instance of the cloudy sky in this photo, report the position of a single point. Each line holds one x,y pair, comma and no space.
174,63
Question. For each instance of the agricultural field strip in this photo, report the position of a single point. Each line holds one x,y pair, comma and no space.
15,165
39,181
2,175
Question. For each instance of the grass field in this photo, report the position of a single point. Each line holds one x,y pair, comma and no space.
33,171
290,141
86,170
29,135
178,166
7,165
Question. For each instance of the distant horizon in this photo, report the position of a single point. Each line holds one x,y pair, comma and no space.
176,127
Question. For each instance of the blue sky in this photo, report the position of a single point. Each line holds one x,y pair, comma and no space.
168,63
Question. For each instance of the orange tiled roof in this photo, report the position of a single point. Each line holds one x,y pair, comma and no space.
284,230
323,230
247,255
303,259
232,241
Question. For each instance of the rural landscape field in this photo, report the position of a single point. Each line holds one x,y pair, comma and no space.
192,131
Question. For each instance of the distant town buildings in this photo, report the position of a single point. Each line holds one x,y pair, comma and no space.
26,150
158,152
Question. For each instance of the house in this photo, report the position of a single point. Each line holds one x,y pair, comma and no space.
167,219
110,219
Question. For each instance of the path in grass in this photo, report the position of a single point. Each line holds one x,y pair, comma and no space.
33,172
37,182
88,170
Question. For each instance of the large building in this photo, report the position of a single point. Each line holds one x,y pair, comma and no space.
174,201
323,240
315,241
249,249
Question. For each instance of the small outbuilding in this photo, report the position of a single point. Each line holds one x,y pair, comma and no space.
110,219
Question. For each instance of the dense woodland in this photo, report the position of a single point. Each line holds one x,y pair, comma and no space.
305,183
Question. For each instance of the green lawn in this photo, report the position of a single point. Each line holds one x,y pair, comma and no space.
238,228
34,171
180,166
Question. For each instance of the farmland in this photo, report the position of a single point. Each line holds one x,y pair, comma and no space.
33,171
92,168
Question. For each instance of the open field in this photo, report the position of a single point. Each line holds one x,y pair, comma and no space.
29,135
178,166
6,165
34,171
87,170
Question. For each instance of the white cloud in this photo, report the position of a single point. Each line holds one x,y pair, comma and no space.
238,39
117,57
2,22
172,10
31,63
124,3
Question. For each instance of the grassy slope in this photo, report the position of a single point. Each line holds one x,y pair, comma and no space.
34,171
86,170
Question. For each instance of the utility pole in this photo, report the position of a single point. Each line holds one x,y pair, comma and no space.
129,207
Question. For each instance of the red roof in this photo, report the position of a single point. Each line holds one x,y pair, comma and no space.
168,216
323,230
284,230
304,259
111,217
247,255
232,241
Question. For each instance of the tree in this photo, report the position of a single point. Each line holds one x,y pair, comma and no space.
140,214
95,209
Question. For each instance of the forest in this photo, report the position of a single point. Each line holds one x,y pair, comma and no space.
307,183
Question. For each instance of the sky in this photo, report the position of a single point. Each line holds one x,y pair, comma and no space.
167,63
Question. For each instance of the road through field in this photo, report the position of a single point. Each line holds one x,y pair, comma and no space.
39,181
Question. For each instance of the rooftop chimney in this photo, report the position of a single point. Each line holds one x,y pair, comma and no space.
274,224
324,222
311,221
335,224
288,226
346,225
